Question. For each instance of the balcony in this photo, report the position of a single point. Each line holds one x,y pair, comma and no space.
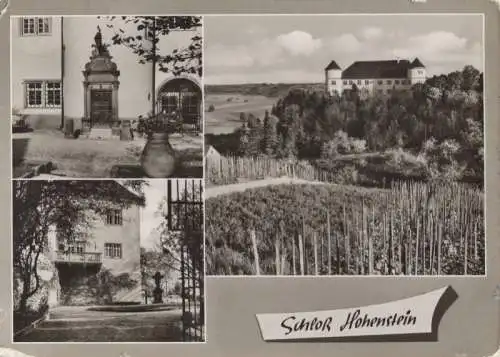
79,258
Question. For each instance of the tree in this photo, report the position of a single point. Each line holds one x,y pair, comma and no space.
270,141
155,260
471,77
40,205
179,61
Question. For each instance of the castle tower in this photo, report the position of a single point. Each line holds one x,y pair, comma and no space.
417,72
333,78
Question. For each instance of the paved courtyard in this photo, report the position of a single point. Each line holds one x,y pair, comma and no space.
78,324
95,158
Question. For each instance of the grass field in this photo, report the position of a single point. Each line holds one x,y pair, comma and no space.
226,116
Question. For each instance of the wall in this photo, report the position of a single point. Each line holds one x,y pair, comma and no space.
135,78
374,86
127,234
35,57
93,284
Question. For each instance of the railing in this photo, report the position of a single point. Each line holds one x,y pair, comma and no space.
92,258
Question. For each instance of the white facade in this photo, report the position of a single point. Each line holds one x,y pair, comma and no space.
35,57
59,56
336,80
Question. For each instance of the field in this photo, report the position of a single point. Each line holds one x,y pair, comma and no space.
305,229
226,116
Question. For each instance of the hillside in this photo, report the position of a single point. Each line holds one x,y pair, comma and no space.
274,90
409,229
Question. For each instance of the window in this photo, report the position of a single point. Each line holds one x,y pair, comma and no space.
345,82
43,94
380,82
36,26
113,250
350,82
389,81
396,81
53,94
367,81
420,72
334,82
77,247
380,91
114,217
358,82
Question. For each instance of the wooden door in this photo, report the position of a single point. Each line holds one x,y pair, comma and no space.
101,107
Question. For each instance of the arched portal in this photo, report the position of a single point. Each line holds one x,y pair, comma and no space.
182,95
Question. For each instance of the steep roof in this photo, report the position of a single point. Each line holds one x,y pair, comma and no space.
417,64
208,147
132,195
377,69
332,65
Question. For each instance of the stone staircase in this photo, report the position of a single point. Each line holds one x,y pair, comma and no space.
102,134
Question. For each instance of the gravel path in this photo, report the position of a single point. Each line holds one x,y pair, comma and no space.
239,187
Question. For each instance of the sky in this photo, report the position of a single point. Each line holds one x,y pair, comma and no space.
150,216
296,49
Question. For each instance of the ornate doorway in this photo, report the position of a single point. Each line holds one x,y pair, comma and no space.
184,96
101,107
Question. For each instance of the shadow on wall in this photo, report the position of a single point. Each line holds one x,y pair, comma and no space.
91,286
50,122
19,149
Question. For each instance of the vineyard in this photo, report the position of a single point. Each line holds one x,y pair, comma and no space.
410,229
230,170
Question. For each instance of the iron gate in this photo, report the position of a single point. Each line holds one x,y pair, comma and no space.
185,214
182,97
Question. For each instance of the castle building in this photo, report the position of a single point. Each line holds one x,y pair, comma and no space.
68,68
110,251
374,77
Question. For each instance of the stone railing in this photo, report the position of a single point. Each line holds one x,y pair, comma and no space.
92,258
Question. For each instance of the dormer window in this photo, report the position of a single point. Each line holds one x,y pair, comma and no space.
36,26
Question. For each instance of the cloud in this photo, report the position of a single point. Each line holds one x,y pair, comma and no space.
347,43
372,33
441,49
264,52
219,55
299,43
432,45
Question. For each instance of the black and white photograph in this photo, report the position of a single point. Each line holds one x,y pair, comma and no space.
108,261
107,96
344,144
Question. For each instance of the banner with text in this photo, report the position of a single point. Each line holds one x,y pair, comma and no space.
403,317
